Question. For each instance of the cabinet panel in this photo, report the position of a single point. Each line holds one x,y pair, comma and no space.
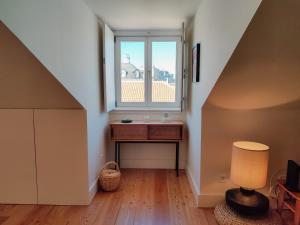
61,152
164,132
129,132
17,157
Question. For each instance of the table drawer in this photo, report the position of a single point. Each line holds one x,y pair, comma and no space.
129,132
164,132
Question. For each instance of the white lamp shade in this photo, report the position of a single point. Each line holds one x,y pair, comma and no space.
249,164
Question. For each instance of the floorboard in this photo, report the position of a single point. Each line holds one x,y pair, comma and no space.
145,197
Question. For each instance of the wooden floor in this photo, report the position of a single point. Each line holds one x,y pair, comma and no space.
145,197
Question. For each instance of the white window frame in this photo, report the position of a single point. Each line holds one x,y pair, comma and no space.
148,104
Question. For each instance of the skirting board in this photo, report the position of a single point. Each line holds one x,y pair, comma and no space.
210,200
205,200
194,187
150,163
93,190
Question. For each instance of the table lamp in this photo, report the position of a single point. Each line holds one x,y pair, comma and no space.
249,167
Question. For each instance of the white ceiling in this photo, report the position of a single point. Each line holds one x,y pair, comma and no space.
144,14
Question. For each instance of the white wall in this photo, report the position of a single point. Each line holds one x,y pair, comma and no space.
149,155
64,36
218,26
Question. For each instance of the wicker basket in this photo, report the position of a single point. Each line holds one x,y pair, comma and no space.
109,179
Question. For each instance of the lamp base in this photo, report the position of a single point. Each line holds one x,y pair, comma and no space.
247,202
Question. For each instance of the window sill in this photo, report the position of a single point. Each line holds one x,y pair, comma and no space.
145,109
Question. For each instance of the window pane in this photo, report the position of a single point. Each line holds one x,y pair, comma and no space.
164,71
132,71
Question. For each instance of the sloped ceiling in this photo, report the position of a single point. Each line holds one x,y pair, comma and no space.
264,70
24,81
144,14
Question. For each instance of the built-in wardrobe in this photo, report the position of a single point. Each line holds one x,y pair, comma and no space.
43,137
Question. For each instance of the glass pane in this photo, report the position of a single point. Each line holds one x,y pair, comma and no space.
132,71
163,71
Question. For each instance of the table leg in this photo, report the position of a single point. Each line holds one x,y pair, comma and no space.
119,154
297,213
177,158
116,152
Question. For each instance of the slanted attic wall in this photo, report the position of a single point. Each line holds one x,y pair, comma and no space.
43,141
24,82
218,26
64,36
256,98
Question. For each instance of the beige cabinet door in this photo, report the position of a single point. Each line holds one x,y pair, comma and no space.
17,157
61,152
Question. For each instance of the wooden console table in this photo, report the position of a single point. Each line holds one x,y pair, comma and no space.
293,203
170,132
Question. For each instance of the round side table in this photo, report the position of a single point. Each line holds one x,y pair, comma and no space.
225,216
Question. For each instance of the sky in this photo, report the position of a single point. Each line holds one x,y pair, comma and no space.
163,54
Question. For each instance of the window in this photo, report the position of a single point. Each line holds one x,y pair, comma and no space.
148,72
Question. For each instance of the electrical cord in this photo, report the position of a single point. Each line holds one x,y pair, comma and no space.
272,185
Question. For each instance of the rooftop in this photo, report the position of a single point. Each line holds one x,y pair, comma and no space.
133,91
